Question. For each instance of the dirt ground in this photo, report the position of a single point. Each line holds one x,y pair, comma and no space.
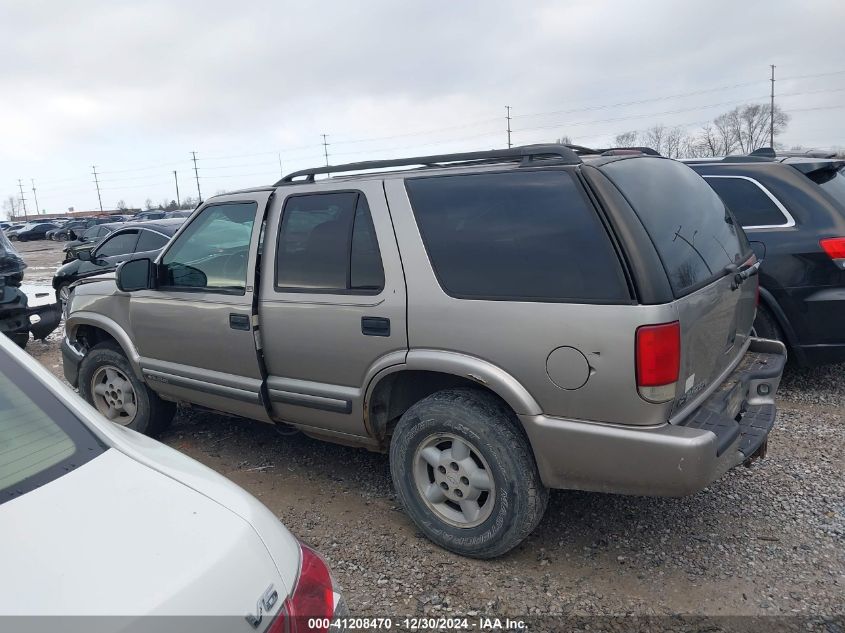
765,540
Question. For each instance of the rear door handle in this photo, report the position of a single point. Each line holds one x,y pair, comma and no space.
239,321
375,326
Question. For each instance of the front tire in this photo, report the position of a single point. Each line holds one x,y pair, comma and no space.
465,473
108,382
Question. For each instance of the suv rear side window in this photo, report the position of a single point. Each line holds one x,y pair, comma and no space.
40,440
327,243
749,204
519,235
695,235
150,241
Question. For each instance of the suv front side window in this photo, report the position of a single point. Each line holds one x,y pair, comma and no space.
212,253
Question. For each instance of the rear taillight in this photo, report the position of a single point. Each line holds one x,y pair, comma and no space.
835,249
658,360
310,607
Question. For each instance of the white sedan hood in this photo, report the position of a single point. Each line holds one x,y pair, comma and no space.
117,537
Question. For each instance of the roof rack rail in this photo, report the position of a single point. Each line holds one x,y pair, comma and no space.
527,155
611,151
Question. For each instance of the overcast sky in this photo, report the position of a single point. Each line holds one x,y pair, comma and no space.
134,87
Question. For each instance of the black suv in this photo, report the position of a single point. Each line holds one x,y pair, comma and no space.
792,208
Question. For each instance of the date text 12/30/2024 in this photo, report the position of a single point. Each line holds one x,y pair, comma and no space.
419,624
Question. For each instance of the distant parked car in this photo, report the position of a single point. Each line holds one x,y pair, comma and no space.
73,229
178,214
148,215
793,208
133,239
35,231
98,520
89,239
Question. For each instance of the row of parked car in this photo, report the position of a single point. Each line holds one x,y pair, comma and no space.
64,229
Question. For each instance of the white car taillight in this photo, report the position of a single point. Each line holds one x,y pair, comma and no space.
312,605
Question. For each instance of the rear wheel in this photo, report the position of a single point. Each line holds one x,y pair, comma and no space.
466,474
60,237
107,381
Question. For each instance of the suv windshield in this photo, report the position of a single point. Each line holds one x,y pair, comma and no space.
40,440
692,230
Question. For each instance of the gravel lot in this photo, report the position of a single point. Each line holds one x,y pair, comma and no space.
764,540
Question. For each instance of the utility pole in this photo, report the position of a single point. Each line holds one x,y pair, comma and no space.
508,117
281,172
197,174
35,195
23,201
325,149
97,182
772,113
176,178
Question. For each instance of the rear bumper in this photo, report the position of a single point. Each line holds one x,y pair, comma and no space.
729,428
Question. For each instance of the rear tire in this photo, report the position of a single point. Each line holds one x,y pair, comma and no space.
150,414
465,473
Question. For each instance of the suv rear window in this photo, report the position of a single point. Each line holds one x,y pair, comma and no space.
832,181
519,235
695,235
40,440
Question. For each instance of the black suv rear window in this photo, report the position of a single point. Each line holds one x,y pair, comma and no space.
520,235
695,235
749,204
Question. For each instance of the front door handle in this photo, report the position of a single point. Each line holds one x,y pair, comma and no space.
239,321
375,326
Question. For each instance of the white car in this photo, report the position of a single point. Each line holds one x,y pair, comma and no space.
96,520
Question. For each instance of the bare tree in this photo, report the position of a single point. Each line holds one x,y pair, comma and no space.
565,140
627,139
148,204
121,205
11,206
749,125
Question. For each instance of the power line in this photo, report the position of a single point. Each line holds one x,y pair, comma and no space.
197,175
97,182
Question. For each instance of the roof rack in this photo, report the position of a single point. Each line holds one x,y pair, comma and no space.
527,155
613,151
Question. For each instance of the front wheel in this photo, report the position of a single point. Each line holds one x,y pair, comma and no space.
466,474
62,295
108,382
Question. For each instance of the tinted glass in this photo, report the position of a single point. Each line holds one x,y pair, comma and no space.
691,228
213,252
527,235
40,440
92,232
748,203
150,241
119,244
327,244
365,267
832,181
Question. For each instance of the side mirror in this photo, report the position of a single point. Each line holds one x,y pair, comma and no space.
84,255
136,274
